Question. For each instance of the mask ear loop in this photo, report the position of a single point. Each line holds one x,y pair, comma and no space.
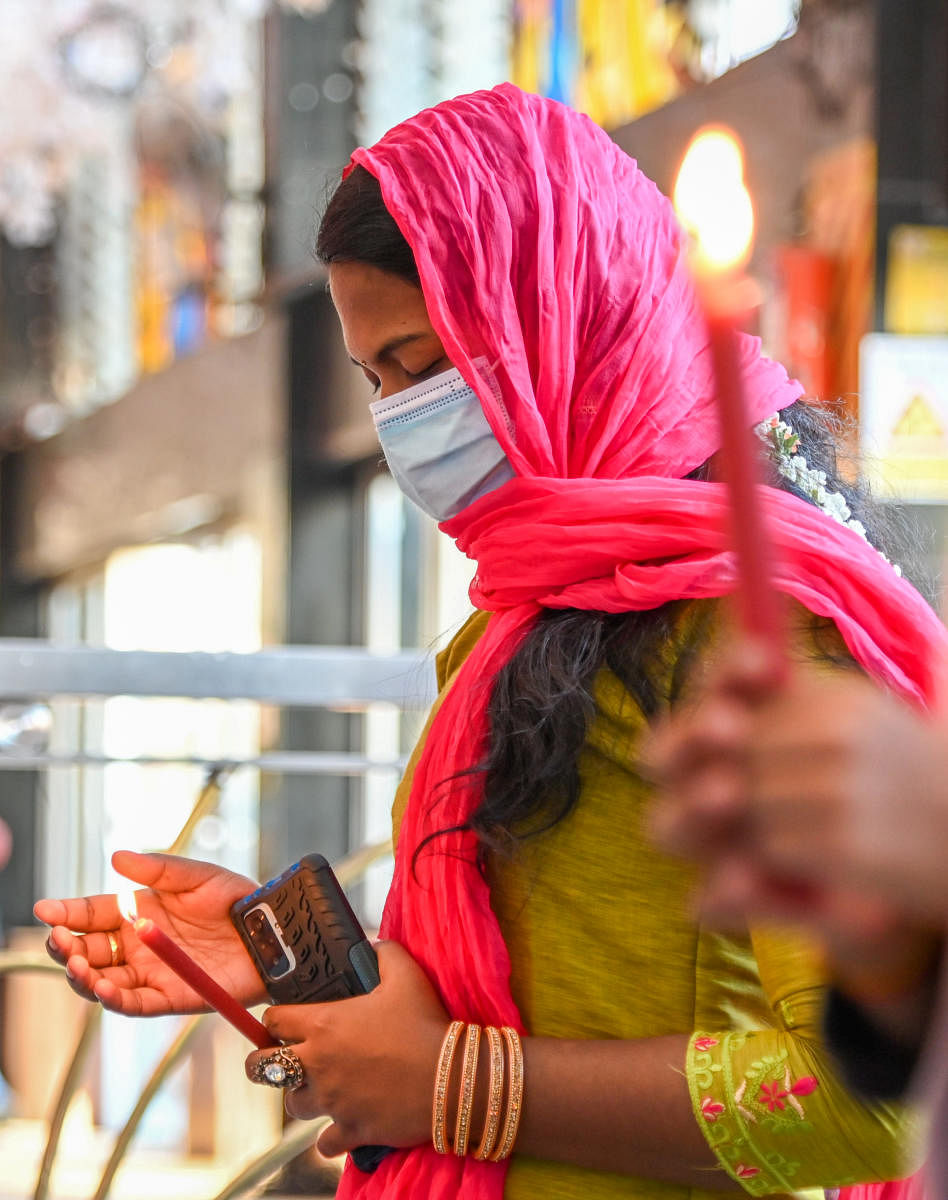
488,372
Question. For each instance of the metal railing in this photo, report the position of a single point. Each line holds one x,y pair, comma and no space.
297,676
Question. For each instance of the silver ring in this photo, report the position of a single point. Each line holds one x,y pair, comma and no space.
280,1069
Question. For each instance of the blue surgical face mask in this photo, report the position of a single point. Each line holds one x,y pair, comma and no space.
439,446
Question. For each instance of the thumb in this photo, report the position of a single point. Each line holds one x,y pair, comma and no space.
332,1142
391,955
162,872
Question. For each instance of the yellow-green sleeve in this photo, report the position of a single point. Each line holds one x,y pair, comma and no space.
771,1103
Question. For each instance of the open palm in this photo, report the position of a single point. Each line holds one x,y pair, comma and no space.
187,899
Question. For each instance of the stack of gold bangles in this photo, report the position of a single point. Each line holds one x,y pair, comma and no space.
504,1091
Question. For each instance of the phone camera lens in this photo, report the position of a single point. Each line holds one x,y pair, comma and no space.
270,952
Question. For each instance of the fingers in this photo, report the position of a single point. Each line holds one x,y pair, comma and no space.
291,1023
117,991
720,720
50,912
96,971
85,914
119,994
706,813
281,1067
751,670
729,890
334,1140
81,977
101,950
718,724
863,916
85,960
699,763
160,872
61,943
736,888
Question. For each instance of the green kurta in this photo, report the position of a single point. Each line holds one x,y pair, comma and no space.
604,944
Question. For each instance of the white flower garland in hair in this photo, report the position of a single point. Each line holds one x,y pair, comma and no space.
782,443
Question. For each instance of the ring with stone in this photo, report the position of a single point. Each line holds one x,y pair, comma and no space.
280,1069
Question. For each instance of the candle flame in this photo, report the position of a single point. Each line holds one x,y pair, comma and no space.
126,901
713,203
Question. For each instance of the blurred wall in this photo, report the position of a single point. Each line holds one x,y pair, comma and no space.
804,96
200,442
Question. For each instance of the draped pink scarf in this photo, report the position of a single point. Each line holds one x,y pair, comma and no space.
545,254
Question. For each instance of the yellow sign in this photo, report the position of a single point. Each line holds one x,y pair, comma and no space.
916,286
903,415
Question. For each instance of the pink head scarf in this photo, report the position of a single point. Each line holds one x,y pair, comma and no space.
549,261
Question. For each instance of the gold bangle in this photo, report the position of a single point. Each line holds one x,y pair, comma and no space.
462,1130
442,1077
495,1091
514,1095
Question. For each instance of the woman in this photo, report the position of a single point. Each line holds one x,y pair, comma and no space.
515,245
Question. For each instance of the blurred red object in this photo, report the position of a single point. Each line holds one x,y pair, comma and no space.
912,1188
808,280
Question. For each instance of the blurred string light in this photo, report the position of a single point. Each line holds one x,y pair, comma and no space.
69,79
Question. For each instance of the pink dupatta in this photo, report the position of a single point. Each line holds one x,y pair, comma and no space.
546,256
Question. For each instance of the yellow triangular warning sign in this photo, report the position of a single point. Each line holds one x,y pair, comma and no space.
918,420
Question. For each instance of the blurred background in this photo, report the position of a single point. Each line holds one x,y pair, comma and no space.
188,467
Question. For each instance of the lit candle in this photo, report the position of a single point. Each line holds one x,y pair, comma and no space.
195,977
713,204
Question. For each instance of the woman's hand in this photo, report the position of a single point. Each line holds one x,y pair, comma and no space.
189,900
830,781
822,802
369,1062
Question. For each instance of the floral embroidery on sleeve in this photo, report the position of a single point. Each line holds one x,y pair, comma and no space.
739,1113
711,1109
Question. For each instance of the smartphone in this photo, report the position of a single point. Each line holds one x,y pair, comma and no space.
308,946
304,939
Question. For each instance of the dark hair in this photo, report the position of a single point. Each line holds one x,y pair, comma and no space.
542,703
357,227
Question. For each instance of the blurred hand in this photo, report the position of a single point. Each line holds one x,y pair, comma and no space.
370,1061
829,782
821,802
698,758
189,900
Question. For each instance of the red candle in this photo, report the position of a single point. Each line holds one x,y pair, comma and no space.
761,610
713,203
207,988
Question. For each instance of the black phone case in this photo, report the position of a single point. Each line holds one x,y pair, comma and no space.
332,956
